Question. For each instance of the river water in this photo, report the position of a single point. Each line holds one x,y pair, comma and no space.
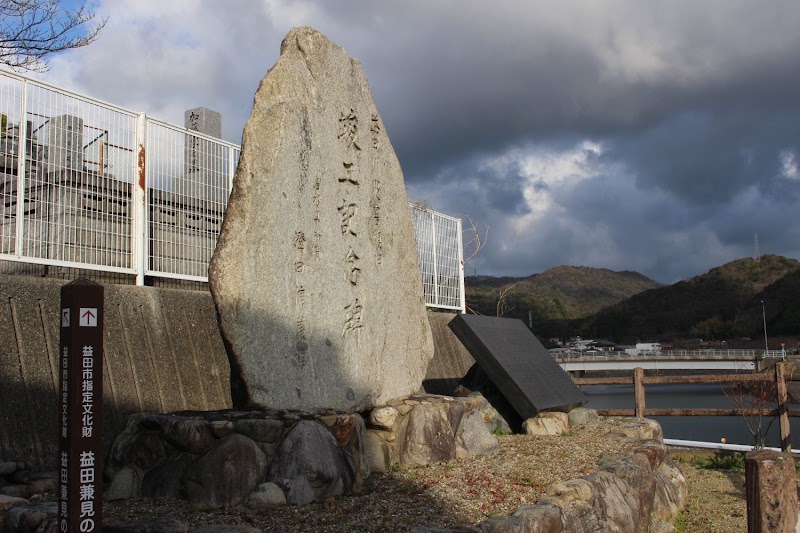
701,428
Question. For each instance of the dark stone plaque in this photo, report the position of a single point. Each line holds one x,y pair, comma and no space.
517,363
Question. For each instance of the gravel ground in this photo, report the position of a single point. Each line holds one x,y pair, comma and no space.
716,497
445,495
467,491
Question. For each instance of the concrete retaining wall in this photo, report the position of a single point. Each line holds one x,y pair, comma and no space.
163,353
451,360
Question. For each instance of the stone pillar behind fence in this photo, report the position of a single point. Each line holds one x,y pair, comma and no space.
771,492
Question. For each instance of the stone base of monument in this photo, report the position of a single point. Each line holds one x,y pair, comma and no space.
222,459
257,459
426,429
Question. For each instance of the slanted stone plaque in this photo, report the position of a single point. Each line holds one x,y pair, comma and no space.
315,275
517,363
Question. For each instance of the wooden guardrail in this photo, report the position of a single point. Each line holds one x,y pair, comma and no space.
779,376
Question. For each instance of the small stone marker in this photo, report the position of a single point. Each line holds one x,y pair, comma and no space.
770,492
315,275
81,432
203,161
517,363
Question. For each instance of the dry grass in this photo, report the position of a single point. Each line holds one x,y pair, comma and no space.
445,495
468,491
716,497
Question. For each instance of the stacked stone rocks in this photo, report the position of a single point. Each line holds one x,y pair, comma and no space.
183,455
557,423
638,489
17,480
275,457
426,429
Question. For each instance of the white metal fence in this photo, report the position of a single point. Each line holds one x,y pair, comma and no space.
86,184
439,250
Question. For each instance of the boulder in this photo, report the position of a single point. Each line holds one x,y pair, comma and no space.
266,496
43,483
7,468
126,483
473,438
671,491
495,422
581,416
380,454
166,480
226,473
17,490
189,435
545,425
427,436
641,429
315,275
540,518
636,470
7,502
309,465
29,517
266,430
383,418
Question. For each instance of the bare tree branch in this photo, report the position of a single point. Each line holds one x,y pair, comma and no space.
473,246
502,300
32,30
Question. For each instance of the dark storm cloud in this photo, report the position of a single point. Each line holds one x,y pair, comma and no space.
694,107
705,158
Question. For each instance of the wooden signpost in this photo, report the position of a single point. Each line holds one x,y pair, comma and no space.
81,403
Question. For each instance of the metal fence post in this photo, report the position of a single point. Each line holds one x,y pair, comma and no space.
22,133
460,230
139,229
435,269
231,169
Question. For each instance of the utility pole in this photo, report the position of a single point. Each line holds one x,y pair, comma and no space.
764,316
758,253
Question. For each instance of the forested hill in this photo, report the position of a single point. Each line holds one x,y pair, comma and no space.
723,303
560,293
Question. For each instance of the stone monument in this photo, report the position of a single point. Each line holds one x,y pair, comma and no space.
315,275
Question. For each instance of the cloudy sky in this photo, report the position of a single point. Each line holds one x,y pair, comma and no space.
650,136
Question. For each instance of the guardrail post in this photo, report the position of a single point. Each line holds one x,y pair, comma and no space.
638,388
783,414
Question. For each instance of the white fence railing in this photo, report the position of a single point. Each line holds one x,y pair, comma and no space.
665,354
89,185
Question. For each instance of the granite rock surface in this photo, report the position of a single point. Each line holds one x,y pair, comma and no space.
315,276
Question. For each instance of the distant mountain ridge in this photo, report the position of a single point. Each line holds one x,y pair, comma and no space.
560,293
723,303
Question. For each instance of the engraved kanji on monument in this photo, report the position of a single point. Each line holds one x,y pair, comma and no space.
315,276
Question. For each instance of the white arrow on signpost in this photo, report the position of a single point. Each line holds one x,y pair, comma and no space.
88,317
